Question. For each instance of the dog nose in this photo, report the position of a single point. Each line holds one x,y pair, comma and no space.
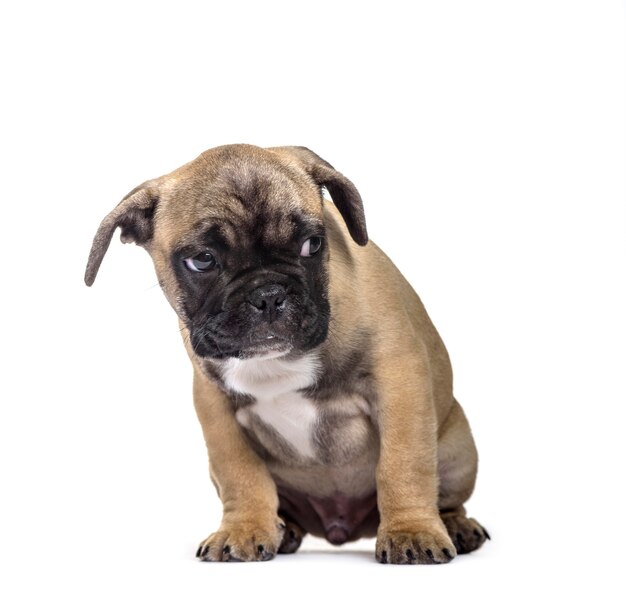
268,298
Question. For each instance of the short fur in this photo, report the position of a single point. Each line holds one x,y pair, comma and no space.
323,389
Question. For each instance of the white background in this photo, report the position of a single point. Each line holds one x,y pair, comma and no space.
488,142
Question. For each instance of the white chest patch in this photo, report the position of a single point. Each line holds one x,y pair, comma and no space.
275,384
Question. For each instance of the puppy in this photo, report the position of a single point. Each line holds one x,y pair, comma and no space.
323,389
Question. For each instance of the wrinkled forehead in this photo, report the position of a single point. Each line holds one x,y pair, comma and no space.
238,200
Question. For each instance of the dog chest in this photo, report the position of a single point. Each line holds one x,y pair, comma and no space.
279,405
288,423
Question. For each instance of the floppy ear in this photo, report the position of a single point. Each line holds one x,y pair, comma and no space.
134,216
344,193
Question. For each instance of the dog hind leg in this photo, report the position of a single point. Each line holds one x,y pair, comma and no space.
292,537
457,468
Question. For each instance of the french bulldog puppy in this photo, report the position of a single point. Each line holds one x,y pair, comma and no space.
323,389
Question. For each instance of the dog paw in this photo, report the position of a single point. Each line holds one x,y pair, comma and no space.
426,543
242,542
467,534
292,538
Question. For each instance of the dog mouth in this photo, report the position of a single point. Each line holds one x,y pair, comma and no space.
267,340
243,333
256,342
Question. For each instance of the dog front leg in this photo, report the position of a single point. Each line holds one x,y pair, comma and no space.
410,530
251,529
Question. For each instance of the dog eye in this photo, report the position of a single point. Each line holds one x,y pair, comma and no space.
311,246
200,263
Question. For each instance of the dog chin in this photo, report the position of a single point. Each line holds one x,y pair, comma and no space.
270,353
269,348
266,351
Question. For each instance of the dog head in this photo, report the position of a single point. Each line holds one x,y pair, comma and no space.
239,245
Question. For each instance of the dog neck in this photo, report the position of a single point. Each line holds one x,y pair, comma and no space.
271,376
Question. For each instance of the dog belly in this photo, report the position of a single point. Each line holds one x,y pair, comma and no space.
338,518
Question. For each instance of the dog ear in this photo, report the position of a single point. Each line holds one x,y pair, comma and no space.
344,193
134,215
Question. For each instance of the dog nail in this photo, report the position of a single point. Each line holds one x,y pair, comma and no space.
486,534
430,555
199,551
261,548
226,549
410,555
205,551
383,556
447,553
